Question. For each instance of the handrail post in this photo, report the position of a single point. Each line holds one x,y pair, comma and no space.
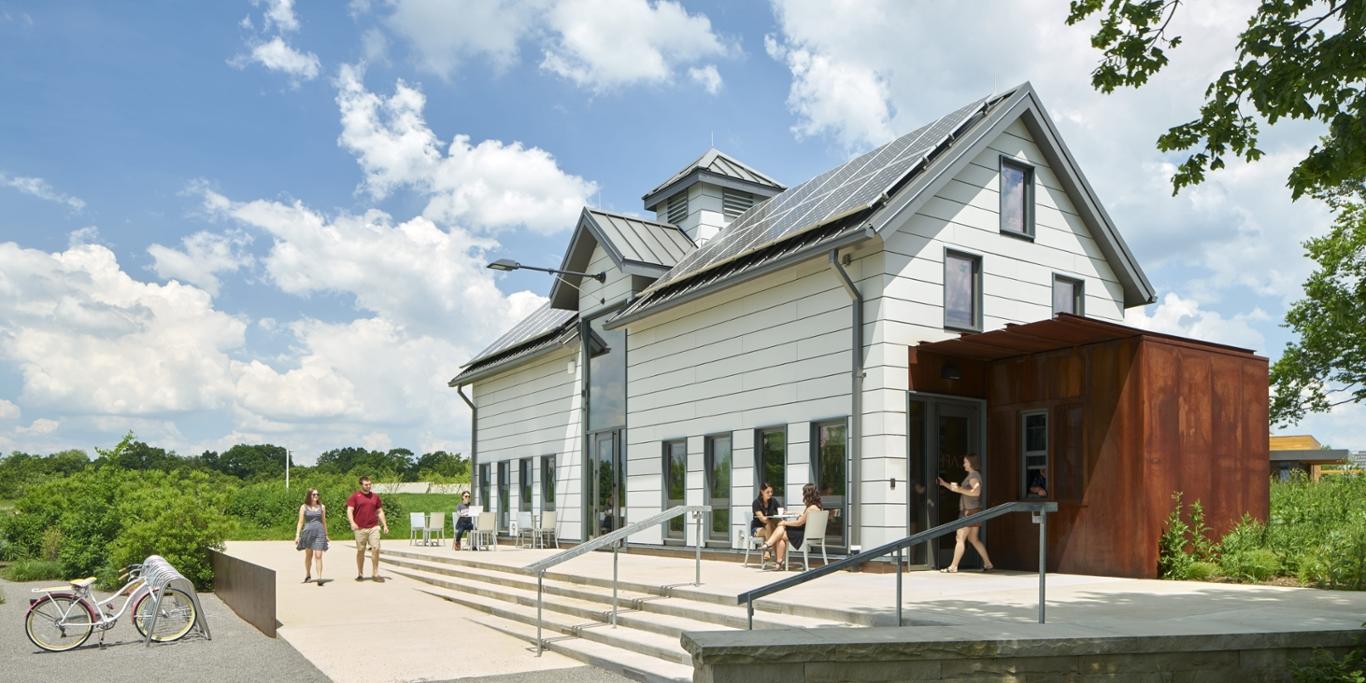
540,587
898,586
614,584
749,608
1043,559
697,562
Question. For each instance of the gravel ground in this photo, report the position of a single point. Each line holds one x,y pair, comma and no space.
237,652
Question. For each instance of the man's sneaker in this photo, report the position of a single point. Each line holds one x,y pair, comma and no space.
360,578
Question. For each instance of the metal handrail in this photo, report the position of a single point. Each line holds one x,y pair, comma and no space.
614,539
1039,509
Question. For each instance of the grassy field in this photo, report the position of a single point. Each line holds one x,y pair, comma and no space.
398,524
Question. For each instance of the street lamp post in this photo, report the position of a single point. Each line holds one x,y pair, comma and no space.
507,264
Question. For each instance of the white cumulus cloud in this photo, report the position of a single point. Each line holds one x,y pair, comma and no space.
444,34
8,411
41,425
486,185
1185,317
202,257
708,77
275,54
605,44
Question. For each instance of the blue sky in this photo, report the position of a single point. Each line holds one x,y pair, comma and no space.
267,221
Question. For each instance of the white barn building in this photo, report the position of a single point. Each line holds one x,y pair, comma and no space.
753,332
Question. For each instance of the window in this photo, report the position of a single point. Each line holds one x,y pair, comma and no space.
547,483
675,486
962,291
735,202
606,376
1034,453
678,207
1017,198
1068,295
504,493
524,485
718,459
772,461
484,485
828,473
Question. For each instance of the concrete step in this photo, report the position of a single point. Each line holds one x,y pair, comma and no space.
630,664
713,615
665,648
712,601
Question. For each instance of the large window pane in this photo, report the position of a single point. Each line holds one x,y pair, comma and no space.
1015,198
918,486
772,467
484,486
1067,295
504,494
547,483
830,463
718,460
676,484
1034,452
962,292
524,485
607,376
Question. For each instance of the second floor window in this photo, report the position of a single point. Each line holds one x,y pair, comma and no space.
1068,295
1017,198
962,291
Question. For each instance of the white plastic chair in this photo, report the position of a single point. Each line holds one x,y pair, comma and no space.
752,542
486,530
523,530
545,530
815,535
417,524
436,524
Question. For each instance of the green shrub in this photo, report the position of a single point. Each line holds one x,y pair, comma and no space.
1255,565
1248,534
1201,571
51,544
1323,667
1183,544
1318,529
264,510
34,570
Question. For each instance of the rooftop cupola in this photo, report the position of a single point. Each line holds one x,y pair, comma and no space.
708,194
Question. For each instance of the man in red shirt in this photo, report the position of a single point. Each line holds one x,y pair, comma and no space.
365,511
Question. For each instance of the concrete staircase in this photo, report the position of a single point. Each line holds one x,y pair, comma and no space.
576,615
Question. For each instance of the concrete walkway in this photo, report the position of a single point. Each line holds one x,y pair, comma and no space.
1000,601
368,631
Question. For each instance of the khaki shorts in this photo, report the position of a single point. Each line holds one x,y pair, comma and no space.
367,538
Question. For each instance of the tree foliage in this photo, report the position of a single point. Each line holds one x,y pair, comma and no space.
248,461
1297,59
1327,366
19,470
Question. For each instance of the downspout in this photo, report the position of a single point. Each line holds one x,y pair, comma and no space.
855,398
474,445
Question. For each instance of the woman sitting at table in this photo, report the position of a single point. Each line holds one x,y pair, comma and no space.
792,532
762,524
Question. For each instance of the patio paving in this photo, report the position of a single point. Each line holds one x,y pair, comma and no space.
1003,600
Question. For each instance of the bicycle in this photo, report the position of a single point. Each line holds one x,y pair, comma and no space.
65,616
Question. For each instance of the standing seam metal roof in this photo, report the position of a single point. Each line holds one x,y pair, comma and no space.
640,240
720,163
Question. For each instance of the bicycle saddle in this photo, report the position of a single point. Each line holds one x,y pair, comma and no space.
82,583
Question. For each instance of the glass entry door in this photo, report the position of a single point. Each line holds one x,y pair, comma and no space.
675,488
607,477
953,434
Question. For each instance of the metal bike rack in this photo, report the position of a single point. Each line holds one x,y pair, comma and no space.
159,574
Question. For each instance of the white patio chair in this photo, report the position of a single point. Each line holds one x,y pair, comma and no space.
523,530
486,531
417,524
436,525
752,542
545,530
815,535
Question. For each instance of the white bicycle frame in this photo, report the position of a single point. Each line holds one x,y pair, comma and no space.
83,597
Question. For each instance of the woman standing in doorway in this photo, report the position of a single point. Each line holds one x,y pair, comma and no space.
310,535
969,503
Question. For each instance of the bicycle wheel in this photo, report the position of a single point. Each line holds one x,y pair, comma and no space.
174,619
57,623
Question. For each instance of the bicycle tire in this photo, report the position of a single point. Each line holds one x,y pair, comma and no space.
176,619
57,604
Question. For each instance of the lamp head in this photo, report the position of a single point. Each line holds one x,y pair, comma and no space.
505,264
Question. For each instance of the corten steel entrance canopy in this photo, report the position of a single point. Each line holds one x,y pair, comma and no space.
1063,331
1130,417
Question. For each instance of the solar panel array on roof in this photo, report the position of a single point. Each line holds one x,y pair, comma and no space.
829,196
542,321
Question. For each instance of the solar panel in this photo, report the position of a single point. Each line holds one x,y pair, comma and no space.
544,320
855,185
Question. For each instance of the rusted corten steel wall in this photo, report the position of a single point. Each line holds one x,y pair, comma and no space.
1130,422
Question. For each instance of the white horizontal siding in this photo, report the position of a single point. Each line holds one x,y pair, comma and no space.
594,295
528,412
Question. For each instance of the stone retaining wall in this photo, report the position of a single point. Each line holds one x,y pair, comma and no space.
1050,653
